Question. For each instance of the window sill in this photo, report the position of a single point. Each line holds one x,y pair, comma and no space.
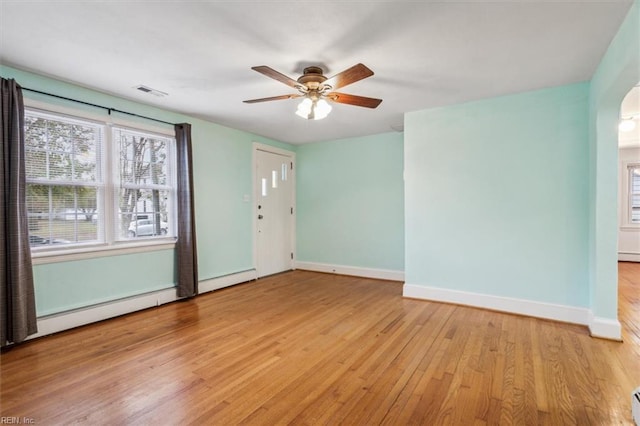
630,228
101,250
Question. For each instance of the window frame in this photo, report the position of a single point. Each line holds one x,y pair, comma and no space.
99,182
170,186
631,167
110,245
626,196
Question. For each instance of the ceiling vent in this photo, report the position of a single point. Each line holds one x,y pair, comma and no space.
151,91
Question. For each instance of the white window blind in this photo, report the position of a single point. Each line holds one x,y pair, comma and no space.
634,193
64,179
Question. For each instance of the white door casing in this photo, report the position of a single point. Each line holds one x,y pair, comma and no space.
273,209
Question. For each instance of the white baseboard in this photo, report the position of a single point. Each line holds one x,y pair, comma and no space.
381,274
599,327
629,257
605,328
66,320
530,308
226,281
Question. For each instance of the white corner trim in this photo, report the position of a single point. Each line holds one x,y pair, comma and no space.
75,318
381,274
530,308
226,281
605,328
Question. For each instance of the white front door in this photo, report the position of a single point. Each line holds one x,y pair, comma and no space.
273,210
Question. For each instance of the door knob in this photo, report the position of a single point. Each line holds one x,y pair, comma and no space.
260,216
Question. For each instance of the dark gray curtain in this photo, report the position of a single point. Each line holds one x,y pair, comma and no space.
187,256
17,296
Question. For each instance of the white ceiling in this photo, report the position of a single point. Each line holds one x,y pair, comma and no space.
424,54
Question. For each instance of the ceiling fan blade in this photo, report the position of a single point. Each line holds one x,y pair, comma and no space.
355,73
343,98
270,72
272,98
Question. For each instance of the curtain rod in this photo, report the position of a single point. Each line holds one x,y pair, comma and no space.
97,106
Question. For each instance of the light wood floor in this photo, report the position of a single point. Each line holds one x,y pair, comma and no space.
309,348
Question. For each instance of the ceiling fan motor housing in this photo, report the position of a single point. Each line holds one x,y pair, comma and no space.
312,78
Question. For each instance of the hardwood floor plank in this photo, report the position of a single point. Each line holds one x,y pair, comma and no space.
305,348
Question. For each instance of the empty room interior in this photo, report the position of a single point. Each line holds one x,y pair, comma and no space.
331,212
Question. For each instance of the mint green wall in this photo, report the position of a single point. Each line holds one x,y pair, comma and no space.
70,285
350,202
617,73
496,196
222,176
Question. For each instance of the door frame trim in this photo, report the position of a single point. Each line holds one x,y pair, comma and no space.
257,146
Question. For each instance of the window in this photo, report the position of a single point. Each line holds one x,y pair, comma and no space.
144,194
634,194
89,183
63,179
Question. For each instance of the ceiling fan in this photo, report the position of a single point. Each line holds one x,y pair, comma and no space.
316,89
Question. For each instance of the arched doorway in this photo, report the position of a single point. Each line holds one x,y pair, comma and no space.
617,74
629,214
629,177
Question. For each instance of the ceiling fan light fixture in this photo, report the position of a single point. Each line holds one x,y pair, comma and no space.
322,109
304,108
312,109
